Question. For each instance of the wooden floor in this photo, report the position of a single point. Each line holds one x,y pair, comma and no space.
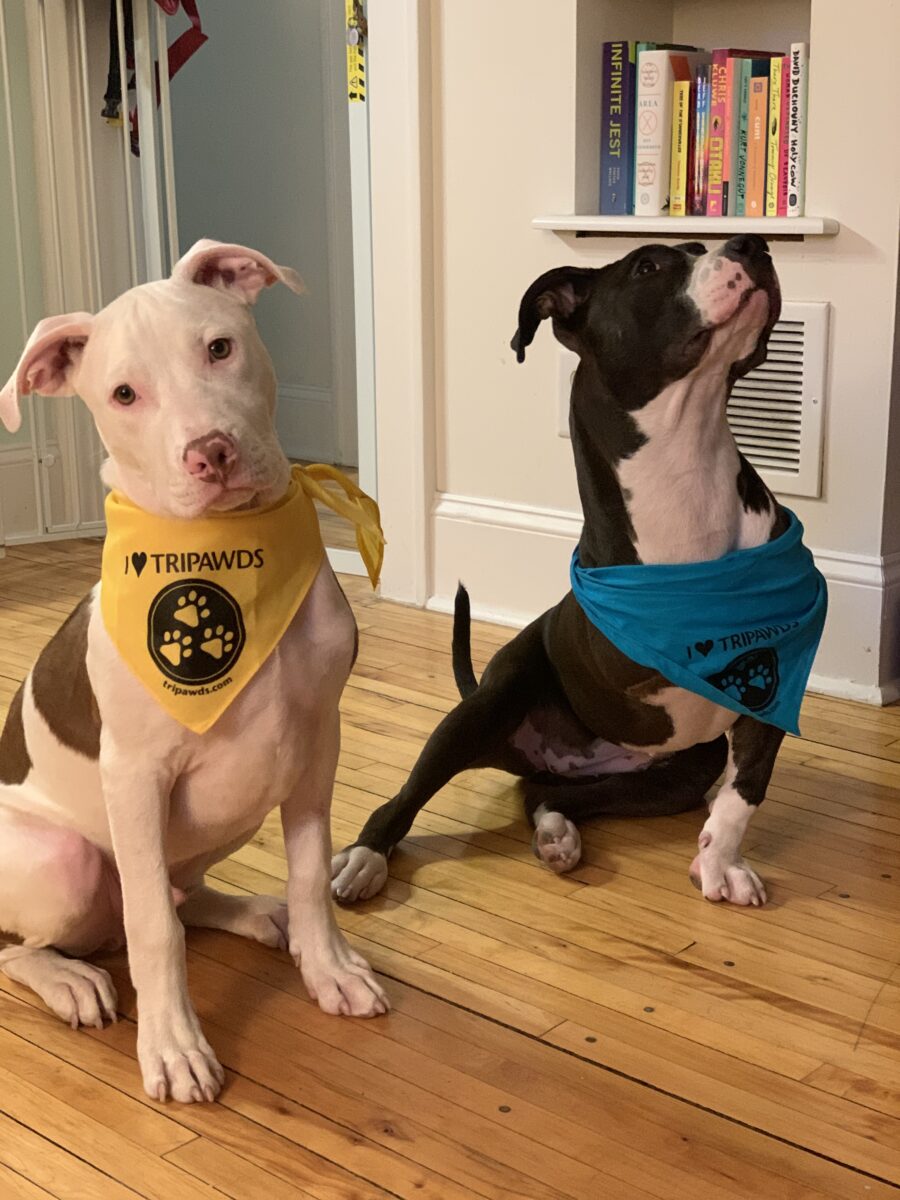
603,1035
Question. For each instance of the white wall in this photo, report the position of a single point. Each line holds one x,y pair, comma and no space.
505,88
249,120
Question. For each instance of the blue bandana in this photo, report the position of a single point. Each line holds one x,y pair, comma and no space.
741,630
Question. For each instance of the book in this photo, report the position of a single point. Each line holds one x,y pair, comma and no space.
757,129
796,182
716,162
701,125
783,135
655,79
731,123
617,145
681,130
773,148
740,173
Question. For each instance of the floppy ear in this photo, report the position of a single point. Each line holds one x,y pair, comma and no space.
559,294
235,269
47,363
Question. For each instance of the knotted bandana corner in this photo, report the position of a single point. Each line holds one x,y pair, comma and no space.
195,607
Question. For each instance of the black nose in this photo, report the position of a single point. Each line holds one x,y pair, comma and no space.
746,245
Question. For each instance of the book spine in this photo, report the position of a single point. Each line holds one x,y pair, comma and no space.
717,104
783,135
740,199
628,101
696,134
704,143
654,123
757,121
773,149
732,114
678,178
796,184
612,174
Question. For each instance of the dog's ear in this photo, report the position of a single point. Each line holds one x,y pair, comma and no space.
236,269
47,363
559,294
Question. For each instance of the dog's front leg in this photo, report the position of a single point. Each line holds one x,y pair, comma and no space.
335,975
719,870
175,1058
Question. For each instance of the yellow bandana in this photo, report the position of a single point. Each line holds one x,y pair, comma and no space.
195,607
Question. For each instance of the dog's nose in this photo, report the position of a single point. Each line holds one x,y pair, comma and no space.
211,458
746,245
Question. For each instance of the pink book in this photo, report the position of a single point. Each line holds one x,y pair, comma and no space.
716,143
783,136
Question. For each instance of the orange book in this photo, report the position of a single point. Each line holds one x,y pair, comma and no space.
757,140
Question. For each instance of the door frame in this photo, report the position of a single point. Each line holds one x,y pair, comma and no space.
400,133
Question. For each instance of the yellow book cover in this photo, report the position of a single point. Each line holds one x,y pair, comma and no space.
681,113
774,154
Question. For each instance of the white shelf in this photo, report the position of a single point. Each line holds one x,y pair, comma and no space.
773,227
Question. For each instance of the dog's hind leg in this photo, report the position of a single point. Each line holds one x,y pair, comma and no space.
58,896
556,805
260,918
475,733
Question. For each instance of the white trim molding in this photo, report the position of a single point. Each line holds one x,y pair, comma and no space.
305,422
514,559
400,138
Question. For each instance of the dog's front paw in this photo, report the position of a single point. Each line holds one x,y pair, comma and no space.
341,981
177,1061
736,882
357,873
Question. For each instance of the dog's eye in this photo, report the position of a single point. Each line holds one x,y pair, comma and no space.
124,394
646,266
219,348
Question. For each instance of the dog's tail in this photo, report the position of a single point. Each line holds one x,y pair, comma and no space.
463,671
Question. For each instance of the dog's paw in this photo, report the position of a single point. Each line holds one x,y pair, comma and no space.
78,992
177,1061
342,982
556,842
735,882
357,873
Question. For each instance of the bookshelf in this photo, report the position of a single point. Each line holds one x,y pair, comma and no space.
762,25
775,228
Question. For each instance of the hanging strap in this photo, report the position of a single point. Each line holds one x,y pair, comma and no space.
184,47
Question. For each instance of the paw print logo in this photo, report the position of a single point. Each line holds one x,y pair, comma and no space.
191,609
195,631
175,647
751,679
218,641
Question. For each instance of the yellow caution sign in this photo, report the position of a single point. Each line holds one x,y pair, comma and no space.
356,54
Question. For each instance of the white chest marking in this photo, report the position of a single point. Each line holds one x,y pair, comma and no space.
681,485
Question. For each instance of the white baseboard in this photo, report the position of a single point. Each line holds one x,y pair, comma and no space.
305,422
514,560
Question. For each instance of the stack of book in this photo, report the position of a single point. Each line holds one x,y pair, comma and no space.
691,133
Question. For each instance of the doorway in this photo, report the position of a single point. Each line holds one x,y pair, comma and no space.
258,139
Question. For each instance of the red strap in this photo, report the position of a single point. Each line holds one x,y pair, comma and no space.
183,48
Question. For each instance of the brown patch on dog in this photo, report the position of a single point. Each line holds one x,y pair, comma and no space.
15,762
62,691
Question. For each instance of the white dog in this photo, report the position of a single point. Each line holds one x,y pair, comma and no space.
111,810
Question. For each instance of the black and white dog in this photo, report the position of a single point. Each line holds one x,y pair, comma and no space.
661,335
